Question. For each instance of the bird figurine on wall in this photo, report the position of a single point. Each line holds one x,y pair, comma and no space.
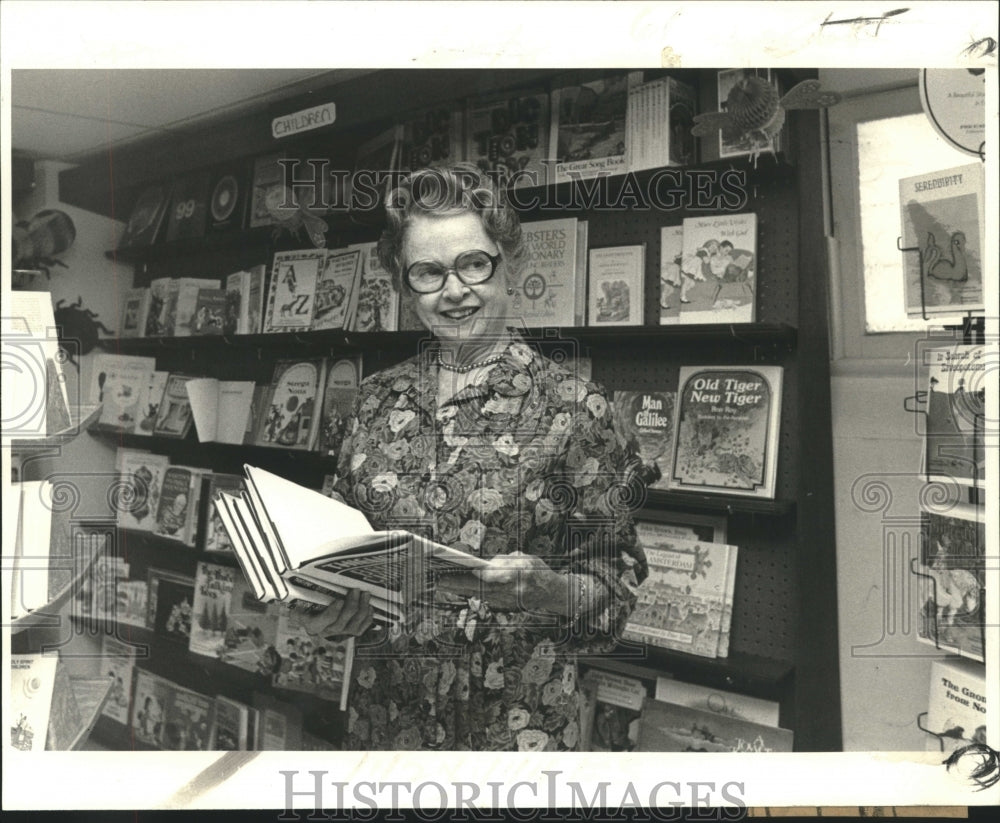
293,217
755,113
936,265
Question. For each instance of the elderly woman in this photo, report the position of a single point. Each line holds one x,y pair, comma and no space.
481,443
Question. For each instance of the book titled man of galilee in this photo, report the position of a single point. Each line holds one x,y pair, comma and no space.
295,543
726,430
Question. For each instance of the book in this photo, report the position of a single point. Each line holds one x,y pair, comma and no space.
374,163
279,724
117,384
162,307
646,421
674,286
173,418
726,625
339,394
956,410
292,292
613,708
546,295
220,408
177,512
227,197
719,257
942,216
251,630
334,288
588,127
295,543
431,137
13,533
952,576
149,403
709,528
118,662
289,417
320,667
680,604
230,726
268,180
507,136
718,701
107,571
216,538
582,247
210,312
210,610
237,306
188,207
131,602
188,291
255,299
168,716
65,718
660,114
377,306
135,312
149,708
32,680
726,430
668,727
141,478
169,605
615,286
147,216
956,705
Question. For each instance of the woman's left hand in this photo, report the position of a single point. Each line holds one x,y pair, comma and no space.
513,582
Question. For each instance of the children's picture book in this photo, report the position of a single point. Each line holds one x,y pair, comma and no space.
134,314
188,207
956,705
185,300
279,724
335,287
377,307
612,711
177,513
267,187
292,293
187,719
339,394
709,528
213,588
162,307
227,198
216,537
588,134
956,413
290,415
646,421
209,312
726,429
147,217
117,384
431,137
251,630
294,543
615,286
546,295
131,602
674,286
952,577
237,290
508,136
255,299
719,269
719,701
149,708
170,600
943,223
173,417
32,680
668,727
149,403
220,408
680,604
230,726
301,663
658,129
107,571
118,662
141,477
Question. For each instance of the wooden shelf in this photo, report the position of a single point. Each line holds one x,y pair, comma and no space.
728,503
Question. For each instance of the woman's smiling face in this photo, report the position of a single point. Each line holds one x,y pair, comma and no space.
456,313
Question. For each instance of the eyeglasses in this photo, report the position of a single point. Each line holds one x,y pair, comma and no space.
471,267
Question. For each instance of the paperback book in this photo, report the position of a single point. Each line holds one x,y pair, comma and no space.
719,257
956,705
173,418
162,307
943,222
177,512
141,478
210,312
220,408
508,136
292,293
615,286
279,724
432,137
135,312
675,287
149,402
230,726
118,662
117,386
546,295
956,413
612,711
251,630
668,727
646,421
377,307
267,187
337,282
168,716
321,667
170,600
216,537
339,394
210,610
289,416
726,428
185,293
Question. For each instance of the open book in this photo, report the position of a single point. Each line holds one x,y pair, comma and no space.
294,543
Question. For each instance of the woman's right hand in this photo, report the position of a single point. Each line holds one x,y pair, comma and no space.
350,616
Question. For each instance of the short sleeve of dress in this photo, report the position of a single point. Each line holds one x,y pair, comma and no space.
601,533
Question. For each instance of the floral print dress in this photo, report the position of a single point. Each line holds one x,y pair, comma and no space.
526,461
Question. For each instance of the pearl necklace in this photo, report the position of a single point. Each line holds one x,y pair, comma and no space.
489,361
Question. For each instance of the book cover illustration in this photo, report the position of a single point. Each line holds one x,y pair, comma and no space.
177,499
185,300
292,294
230,725
956,409
162,307
306,664
169,604
107,571
956,705
173,417
334,287
131,602
149,402
210,312
339,394
953,579
378,302
942,216
680,604
135,308
251,631
117,386
188,207
719,269
675,286
667,727
146,218
432,137
213,587
615,286
141,478
614,708
267,190
227,198
187,720
508,136
717,701
288,417
546,295
726,430
118,661
32,680
65,718
646,421
148,707
216,536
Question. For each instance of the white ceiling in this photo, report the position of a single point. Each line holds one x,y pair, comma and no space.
72,115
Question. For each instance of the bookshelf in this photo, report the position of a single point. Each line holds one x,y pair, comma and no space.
783,643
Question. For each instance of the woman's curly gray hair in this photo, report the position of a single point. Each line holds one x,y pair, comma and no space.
446,191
